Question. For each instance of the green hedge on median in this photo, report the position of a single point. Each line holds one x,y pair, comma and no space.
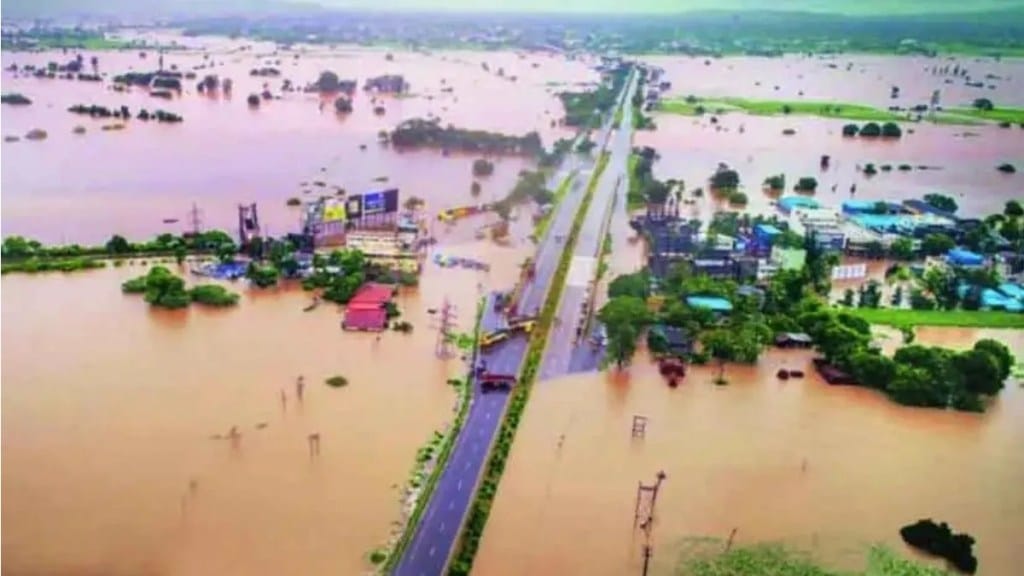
480,509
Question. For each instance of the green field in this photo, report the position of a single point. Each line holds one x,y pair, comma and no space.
1013,115
843,110
958,318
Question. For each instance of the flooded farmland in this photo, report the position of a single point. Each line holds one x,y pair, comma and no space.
109,410
827,469
84,187
959,161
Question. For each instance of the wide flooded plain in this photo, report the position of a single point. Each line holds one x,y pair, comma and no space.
84,187
113,415
829,470
959,161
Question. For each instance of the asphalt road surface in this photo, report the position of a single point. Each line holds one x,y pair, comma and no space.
568,352
438,530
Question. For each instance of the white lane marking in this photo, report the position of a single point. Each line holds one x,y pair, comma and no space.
451,505
467,466
458,487
441,529
432,550
487,415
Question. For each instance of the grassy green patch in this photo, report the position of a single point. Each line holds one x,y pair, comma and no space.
617,122
959,318
842,110
545,221
1014,115
336,381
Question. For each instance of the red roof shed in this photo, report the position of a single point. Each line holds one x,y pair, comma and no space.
372,319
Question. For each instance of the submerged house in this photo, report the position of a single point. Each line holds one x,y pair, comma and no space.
367,310
793,340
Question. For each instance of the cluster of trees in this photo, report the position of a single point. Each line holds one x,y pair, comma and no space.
724,179
941,202
873,130
915,375
531,185
265,71
940,540
775,183
15,99
340,275
164,80
419,133
482,167
643,186
163,289
584,109
124,113
213,241
806,184
329,83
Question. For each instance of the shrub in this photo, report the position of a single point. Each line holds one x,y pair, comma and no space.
776,182
940,540
213,295
1006,168
737,198
336,381
871,130
403,326
253,100
850,130
788,132
806,184
482,167
890,130
870,169
905,167
293,201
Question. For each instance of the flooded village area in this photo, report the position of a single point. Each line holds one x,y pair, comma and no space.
139,440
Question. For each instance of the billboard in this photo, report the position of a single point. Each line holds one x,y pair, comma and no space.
371,203
334,211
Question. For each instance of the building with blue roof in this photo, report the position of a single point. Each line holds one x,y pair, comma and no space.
713,303
962,257
789,203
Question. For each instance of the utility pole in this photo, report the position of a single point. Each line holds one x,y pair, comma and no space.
195,220
643,515
445,330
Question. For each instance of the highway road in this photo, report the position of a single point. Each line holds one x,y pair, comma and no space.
435,538
568,352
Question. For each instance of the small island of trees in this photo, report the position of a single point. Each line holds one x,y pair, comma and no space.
939,539
419,133
482,167
161,288
873,130
15,99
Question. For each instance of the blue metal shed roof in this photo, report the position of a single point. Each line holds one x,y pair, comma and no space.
710,302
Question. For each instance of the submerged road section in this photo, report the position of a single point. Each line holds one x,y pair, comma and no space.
570,348
435,537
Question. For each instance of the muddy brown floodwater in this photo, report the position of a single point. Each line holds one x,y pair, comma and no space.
109,409
83,188
960,160
735,457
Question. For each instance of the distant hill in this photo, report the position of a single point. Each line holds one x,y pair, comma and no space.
22,9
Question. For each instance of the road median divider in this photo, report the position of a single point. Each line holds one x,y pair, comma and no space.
461,562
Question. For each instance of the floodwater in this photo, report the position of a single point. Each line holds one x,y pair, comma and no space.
109,408
829,470
83,188
961,160
869,80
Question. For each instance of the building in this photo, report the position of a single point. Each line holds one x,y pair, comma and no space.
713,303
367,310
823,224
678,339
793,340
787,204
